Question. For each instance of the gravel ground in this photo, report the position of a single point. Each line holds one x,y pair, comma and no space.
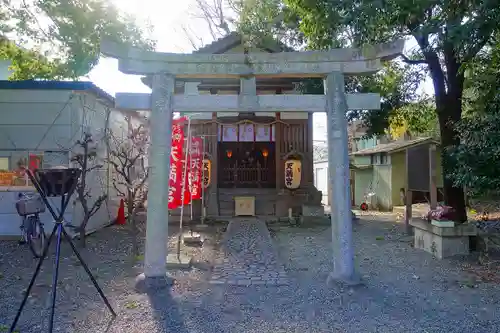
405,290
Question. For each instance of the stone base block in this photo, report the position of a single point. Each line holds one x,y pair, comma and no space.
178,262
144,284
308,210
194,239
442,242
340,280
315,220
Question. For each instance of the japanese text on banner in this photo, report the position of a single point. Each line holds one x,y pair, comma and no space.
175,179
196,165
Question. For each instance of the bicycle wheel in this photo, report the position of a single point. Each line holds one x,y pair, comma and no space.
36,236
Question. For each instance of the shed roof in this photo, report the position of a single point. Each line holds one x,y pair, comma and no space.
58,85
395,146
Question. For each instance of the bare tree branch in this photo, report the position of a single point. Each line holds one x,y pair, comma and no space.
413,61
85,156
126,158
217,16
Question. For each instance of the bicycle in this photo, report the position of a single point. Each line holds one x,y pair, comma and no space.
32,232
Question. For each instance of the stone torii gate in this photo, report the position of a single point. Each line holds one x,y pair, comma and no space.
330,65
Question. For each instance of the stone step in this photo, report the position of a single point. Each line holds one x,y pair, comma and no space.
227,212
226,204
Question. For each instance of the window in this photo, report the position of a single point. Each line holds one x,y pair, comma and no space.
384,158
13,162
4,163
317,176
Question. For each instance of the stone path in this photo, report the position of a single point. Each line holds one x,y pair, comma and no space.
247,256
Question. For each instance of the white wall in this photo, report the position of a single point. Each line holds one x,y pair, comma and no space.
93,117
42,120
321,180
118,129
31,121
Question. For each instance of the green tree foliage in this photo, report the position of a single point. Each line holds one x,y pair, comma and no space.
260,20
415,119
397,83
26,64
476,160
449,34
61,38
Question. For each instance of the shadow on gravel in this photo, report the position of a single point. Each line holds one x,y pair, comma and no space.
167,312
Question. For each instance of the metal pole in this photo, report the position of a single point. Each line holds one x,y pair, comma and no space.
184,188
202,185
190,183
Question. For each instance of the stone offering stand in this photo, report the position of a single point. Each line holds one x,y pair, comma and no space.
442,242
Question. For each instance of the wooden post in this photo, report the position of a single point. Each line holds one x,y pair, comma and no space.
278,137
408,198
212,192
432,176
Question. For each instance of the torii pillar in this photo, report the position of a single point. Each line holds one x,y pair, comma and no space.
157,231
338,174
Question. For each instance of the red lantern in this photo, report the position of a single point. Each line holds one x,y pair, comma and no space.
229,153
265,153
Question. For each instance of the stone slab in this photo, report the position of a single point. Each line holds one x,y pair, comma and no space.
181,262
193,240
443,224
248,257
457,231
317,220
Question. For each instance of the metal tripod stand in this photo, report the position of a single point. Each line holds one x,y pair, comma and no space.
54,183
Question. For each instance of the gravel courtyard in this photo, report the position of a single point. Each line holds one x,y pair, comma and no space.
405,290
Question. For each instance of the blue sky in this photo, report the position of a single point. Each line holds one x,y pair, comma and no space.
168,17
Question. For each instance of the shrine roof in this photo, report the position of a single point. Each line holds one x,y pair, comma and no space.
234,39
223,45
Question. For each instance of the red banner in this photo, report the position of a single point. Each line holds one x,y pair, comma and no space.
196,154
176,166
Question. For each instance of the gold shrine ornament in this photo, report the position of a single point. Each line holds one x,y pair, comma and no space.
293,173
207,173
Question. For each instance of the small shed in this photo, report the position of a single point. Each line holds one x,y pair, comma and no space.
389,170
40,122
322,184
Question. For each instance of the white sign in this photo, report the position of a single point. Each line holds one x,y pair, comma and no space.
246,132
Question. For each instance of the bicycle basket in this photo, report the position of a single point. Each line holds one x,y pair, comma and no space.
28,206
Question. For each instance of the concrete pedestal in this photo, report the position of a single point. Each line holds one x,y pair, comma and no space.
313,214
442,242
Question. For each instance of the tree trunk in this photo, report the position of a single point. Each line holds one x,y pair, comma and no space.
83,226
448,91
449,113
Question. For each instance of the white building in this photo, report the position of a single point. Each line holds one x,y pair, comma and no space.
42,120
